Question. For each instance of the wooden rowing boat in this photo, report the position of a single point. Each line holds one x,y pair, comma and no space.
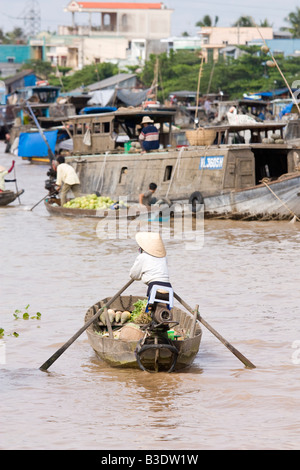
54,208
158,353
6,197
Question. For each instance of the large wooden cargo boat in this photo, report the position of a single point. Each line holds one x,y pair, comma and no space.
243,171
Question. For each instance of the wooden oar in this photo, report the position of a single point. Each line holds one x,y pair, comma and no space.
231,348
60,351
39,202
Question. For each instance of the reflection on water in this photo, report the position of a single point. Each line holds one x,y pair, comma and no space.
245,278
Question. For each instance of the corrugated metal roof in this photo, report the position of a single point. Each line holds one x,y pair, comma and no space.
18,76
111,81
108,82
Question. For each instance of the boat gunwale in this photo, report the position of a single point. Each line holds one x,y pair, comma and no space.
115,214
10,195
187,348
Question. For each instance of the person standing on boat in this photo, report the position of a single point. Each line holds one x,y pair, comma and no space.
150,266
3,173
149,136
66,180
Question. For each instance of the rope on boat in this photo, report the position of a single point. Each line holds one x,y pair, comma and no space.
102,172
176,164
282,202
279,70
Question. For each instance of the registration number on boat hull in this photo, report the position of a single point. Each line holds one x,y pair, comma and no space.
211,163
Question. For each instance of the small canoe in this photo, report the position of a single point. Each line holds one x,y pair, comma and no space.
54,208
6,197
158,353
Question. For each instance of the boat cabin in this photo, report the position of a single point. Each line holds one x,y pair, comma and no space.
292,133
45,103
267,151
99,133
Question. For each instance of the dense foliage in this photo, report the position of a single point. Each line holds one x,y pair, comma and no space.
247,74
84,77
180,71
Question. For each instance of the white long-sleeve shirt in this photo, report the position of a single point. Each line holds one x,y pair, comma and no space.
2,176
66,174
148,269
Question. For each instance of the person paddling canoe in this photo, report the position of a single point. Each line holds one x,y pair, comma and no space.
3,173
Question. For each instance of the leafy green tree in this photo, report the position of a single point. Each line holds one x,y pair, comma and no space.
86,76
41,68
2,35
293,19
247,74
16,36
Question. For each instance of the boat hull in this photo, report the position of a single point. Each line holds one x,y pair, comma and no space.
57,210
119,353
7,197
226,177
278,200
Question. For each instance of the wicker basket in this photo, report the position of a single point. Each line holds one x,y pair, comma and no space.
201,136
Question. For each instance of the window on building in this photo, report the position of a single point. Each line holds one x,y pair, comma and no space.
124,21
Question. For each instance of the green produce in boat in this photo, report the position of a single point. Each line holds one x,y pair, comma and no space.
94,202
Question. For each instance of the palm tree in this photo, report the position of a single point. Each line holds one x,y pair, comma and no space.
265,23
294,20
244,21
207,21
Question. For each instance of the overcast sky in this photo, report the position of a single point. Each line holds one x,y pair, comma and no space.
186,12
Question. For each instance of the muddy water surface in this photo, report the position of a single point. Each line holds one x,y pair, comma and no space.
245,279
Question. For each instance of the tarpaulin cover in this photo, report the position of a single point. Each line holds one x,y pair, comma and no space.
132,98
287,109
101,97
33,145
98,110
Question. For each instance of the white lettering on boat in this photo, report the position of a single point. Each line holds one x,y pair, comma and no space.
211,163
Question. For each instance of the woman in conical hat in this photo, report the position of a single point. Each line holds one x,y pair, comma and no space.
151,264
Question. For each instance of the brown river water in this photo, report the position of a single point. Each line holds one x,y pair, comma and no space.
245,278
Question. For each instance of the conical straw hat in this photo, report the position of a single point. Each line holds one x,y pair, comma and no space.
151,243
